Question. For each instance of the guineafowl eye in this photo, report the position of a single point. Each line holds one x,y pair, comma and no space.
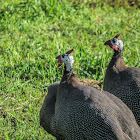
63,56
113,40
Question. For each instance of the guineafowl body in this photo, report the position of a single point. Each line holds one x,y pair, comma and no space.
47,119
123,81
85,113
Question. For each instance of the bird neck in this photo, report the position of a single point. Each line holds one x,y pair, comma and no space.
67,75
115,58
117,62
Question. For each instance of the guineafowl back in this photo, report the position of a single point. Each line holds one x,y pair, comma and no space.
85,113
126,86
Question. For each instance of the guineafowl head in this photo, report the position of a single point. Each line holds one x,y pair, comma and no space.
67,59
115,43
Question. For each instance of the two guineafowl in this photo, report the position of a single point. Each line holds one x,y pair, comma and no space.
75,112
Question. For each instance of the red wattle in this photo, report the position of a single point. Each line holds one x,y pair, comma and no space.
59,62
115,48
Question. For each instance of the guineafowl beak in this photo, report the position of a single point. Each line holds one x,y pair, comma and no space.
107,43
59,60
58,57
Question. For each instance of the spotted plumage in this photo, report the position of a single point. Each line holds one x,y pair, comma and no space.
85,113
123,81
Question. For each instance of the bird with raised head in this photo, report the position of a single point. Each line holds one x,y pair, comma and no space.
83,112
123,81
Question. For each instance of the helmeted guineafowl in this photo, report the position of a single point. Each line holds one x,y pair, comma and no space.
123,81
85,113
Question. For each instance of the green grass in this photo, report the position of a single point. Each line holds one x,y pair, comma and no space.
33,33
